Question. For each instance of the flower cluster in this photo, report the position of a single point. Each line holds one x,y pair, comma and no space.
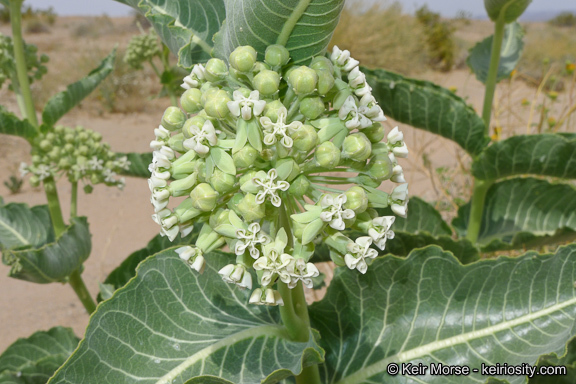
252,155
79,154
142,48
36,68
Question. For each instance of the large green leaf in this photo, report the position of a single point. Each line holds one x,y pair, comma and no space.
404,243
568,361
523,213
305,27
55,261
64,101
422,217
480,54
24,227
169,324
512,8
185,26
546,154
139,163
35,359
430,309
10,124
425,105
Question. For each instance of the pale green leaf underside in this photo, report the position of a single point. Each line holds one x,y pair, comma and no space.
305,25
64,101
522,213
479,58
22,226
55,261
546,154
10,124
170,324
185,26
34,360
139,163
425,105
430,309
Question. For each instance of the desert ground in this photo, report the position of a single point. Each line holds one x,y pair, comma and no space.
120,220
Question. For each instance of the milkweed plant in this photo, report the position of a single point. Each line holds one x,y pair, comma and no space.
279,156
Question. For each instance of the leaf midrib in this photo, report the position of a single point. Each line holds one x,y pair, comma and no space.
425,350
290,24
16,234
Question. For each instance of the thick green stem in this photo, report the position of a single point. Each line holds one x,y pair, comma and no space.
21,69
54,206
493,71
477,208
74,200
79,287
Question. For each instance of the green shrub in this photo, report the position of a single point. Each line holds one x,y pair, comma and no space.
439,39
564,19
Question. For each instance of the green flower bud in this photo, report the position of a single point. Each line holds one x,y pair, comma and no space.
277,55
34,181
271,110
54,154
267,82
343,92
59,130
173,118
357,147
69,138
298,229
321,63
95,178
246,183
325,81
305,138
243,58
217,105
83,150
83,136
375,133
186,211
51,137
191,100
183,186
64,163
245,157
216,70
380,167
250,209
303,80
312,107
222,181
356,199
299,186
327,155
198,121
259,67
45,145
287,169
88,189
204,197
97,137
220,217
176,142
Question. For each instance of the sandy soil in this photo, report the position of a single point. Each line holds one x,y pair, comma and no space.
120,220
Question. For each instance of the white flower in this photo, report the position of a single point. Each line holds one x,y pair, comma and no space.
121,183
248,239
398,200
353,117
109,176
193,256
343,59
162,158
158,179
268,297
186,229
398,174
156,144
95,163
333,213
161,214
236,274
358,252
356,78
369,107
396,143
245,105
195,78
273,263
300,270
123,163
200,137
279,129
168,222
269,188
161,133
381,231
43,172
23,169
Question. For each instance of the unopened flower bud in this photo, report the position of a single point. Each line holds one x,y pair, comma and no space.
45,145
215,70
271,110
34,181
327,155
250,209
299,187
325,81
312,107
243,58
183,186
191,100
259,67
303,80
217,105
380,167
356,199
173,118
287,169
197,121
267,82
277,55
321,63
305,138
357,147
222,181
375,133
245,157
204,197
